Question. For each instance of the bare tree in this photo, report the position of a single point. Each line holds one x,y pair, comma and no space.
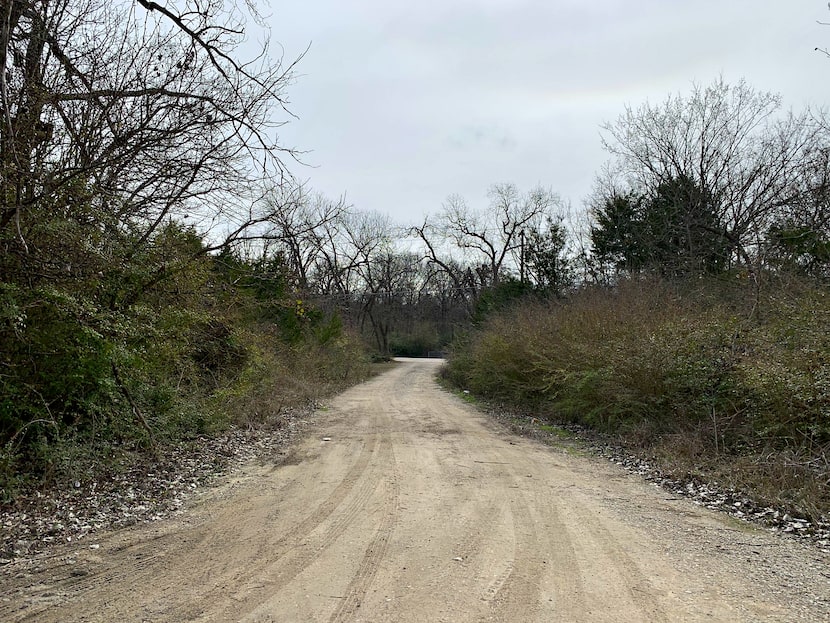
390,293
118,117
346,246
731,142
304,227
477,248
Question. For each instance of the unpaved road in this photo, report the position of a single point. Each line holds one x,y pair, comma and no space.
418,509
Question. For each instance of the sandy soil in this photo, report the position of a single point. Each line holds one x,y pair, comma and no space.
405,504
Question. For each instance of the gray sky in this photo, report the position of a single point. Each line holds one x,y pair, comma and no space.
401,104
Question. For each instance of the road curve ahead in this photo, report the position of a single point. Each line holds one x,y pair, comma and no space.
404,504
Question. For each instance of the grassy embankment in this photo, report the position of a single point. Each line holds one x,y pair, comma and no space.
712,378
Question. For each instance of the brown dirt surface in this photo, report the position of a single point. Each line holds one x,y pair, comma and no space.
405,504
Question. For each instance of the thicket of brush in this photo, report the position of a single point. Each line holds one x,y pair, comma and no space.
86,381
713,376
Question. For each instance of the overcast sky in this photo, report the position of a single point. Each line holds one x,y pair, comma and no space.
401,104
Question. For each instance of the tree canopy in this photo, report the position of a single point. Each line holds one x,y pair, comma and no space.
699,182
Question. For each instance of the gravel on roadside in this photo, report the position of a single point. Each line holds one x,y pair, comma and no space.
145,490
707,494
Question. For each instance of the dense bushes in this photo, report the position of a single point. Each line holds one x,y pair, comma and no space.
171,344
710,372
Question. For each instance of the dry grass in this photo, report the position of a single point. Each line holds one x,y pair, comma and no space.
709,376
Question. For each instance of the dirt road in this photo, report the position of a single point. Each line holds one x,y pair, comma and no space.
406,505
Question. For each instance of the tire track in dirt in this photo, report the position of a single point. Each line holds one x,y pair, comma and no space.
519,584
350,512
556,538
507,565
375,552
543,543
518,581
479,530
290,552
477,517
562,516
608,551
80,584
357,472
466,517
311,539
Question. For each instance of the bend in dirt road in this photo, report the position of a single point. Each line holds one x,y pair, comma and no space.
407,505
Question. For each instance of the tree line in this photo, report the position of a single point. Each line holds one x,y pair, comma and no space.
408,290
137,142
720,181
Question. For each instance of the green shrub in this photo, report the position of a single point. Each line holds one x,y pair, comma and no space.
163,348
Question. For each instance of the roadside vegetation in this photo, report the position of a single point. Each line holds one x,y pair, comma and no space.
140,185
224,343
711,382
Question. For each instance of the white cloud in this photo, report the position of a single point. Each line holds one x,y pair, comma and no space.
406,103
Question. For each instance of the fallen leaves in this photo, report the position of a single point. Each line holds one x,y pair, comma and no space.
147,490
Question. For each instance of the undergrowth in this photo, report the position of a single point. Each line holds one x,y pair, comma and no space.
713,377
87,380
